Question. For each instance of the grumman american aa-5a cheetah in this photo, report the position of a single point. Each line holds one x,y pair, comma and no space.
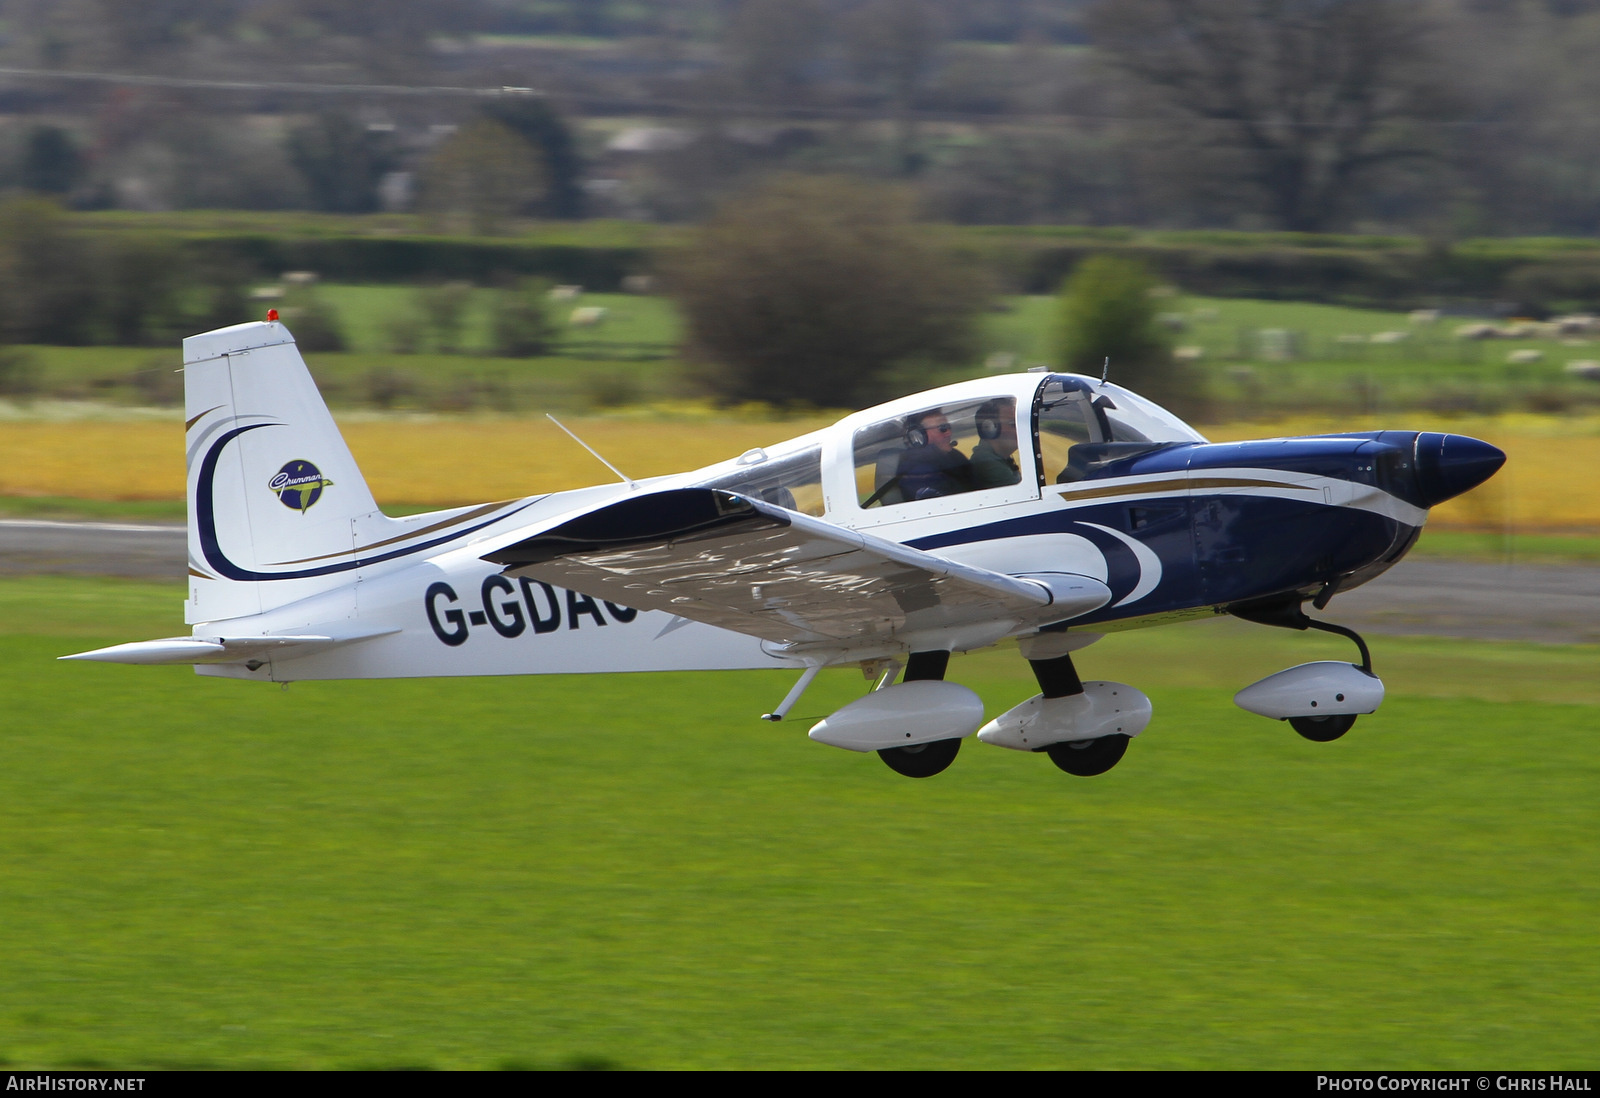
1040,510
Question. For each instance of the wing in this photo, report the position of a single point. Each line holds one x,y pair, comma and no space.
755,568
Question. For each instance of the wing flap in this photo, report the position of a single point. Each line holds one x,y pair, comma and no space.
755,568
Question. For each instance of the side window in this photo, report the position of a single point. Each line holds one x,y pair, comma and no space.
940,451
794,482
1066,419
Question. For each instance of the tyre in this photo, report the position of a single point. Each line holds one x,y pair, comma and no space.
922,761
1086,758
1323,729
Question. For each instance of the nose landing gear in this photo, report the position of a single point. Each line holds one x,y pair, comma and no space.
1319,700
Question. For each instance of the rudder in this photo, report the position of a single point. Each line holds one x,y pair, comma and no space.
274,494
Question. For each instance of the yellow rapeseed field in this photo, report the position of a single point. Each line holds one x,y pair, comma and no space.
1551,482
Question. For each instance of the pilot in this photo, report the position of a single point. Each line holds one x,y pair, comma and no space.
932,466
993,462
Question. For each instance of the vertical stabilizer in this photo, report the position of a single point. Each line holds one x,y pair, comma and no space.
275,498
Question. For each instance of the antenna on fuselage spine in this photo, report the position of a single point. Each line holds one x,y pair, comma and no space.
593,452
1105,370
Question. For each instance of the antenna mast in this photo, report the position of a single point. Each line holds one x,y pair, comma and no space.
593,452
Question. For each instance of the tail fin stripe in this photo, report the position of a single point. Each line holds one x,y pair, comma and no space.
476,512
206,521
195,419
219,425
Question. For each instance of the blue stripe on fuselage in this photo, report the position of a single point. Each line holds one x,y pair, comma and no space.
1218,548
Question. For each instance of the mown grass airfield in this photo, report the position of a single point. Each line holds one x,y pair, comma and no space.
632,871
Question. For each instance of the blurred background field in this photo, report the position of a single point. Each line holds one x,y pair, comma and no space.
1257,358
1546,503
436,428
500,873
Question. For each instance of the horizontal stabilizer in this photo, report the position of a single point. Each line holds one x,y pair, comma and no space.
181,650
756,568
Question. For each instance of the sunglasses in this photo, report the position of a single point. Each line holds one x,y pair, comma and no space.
943,428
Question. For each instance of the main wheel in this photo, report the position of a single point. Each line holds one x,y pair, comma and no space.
924,760
1086,758
1323,729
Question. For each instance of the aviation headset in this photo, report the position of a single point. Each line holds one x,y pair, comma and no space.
988,420
916,433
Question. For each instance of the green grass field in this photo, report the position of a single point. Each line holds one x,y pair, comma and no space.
635,871
634,325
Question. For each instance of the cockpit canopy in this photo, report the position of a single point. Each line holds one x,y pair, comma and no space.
1003,436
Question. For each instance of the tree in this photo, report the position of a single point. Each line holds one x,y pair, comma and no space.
1109,311
520,324
537,123
341,162
892,45
813,290
480,176
47,276
51,164
772,45
1308,98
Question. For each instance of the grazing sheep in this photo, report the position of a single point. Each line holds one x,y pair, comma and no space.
587,316
1390,337
1586,368
1277,344
1188,354
1525,357
565,293
1477,331
1424,316
639,284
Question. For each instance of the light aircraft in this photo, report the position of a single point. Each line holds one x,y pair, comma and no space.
1045,509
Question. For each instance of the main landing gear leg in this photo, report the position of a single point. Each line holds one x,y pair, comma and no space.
923,760
1058,678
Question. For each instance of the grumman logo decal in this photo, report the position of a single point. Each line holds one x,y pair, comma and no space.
299,484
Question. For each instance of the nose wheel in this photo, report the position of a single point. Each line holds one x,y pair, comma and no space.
1309,678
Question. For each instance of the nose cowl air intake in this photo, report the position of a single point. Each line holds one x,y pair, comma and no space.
1448,465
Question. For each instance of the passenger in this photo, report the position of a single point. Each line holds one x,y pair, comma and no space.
993,463
932,466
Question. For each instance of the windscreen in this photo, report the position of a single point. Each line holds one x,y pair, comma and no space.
1081,424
